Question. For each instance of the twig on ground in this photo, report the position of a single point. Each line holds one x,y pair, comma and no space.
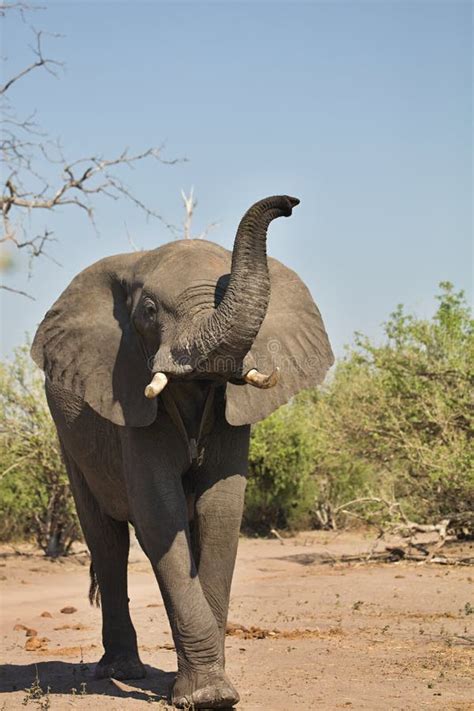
277,535
395,554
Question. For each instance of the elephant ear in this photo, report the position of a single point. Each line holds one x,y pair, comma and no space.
87,344
292,337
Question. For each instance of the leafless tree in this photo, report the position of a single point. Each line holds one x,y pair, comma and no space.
190,204
36,174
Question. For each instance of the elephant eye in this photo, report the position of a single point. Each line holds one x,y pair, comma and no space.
149,307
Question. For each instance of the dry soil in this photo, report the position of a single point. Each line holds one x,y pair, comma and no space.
303,634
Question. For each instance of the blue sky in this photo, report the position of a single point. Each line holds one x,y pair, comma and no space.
361,109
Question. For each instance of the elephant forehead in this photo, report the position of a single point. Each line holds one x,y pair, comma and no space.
180,265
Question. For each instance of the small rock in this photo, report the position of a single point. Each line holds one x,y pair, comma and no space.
20,628
34,644
46,614
78,626
68,610
30,632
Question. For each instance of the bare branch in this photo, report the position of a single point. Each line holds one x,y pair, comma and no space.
131,241
211,226
190,203
21,7
17,291
38,177
80,180
41,61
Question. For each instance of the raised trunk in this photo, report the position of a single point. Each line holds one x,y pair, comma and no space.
222,340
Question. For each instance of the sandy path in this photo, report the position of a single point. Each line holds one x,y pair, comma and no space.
396,636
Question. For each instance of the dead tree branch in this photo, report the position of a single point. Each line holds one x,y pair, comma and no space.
395,554
31,160
21,7
17,291
79,181
447,529
40,61
190,204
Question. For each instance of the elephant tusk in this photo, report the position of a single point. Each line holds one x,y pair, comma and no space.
154,388
261,380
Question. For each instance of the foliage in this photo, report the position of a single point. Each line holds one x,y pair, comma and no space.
394,424
34,490
281,490
405,407
37,695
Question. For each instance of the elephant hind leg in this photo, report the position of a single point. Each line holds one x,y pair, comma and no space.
108,542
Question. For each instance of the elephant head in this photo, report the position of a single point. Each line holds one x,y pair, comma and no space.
128,324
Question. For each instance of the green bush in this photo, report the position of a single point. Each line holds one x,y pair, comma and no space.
404,408
34,490
281,488
391,432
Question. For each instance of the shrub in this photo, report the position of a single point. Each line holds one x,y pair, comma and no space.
393,424
281,489
34,490
408,406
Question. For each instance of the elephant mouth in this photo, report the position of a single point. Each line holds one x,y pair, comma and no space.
251,376
262,381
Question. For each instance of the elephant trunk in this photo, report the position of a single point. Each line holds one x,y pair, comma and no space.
223,339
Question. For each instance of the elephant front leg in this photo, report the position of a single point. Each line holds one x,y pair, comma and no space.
160,517
216,527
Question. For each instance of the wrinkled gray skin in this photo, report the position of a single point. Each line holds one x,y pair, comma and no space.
205,318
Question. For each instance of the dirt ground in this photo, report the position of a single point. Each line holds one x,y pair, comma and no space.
315,636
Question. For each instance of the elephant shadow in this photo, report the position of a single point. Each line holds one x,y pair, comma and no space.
78,679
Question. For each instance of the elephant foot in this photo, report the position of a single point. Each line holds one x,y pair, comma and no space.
120,666
204,691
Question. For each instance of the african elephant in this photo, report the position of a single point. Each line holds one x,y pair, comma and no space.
156,364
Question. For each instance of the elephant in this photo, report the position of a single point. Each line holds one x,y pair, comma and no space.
156,365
